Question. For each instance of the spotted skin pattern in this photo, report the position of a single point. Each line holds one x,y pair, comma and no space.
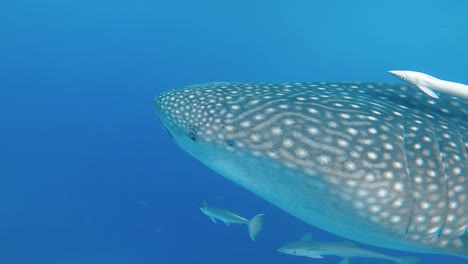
378,163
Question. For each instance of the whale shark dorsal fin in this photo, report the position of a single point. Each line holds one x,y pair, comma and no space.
428,91
307,237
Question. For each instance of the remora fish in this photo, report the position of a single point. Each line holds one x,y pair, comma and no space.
254,225
387,166
428,84
306,247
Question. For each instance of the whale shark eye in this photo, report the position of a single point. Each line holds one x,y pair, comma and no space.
229,142
403,77
294,252
193,133
192,136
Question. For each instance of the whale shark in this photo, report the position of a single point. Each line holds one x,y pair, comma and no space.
378,163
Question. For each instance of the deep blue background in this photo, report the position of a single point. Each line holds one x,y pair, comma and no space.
86,173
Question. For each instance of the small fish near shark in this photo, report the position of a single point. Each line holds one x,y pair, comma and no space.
254,225
429,84
387,166
306,247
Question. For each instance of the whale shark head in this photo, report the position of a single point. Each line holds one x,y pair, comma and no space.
384,163
195,118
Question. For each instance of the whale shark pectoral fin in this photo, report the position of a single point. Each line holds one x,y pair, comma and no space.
428,91
212,219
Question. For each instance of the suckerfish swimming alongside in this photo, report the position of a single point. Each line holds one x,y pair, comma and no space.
387,166
254,225
306,247
428,84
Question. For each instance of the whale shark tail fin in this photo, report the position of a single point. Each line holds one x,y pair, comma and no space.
255,225
408,260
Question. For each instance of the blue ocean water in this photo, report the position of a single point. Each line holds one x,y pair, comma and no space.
88,176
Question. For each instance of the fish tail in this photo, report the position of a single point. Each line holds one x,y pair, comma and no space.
408,260
255,225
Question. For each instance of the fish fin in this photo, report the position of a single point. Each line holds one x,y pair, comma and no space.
307,237
344,261
408,260
234,212
212,219
255,225
428,91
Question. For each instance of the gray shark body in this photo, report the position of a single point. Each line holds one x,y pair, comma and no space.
254,225
306,247
381,164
